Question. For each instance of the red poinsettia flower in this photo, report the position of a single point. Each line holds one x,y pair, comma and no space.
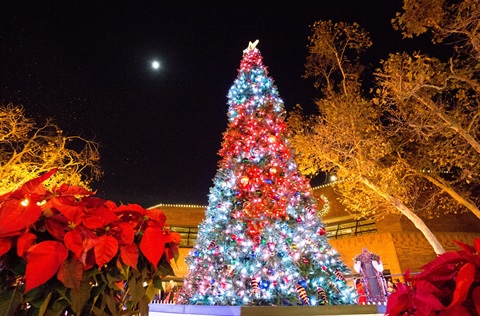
448,285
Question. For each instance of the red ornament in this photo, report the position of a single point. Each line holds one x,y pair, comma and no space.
322,231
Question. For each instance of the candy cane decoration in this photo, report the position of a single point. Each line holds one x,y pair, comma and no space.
302,294
212,245
322,294
333,286
256,288
339,275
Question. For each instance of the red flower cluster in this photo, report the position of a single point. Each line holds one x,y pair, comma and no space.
68,231
449,285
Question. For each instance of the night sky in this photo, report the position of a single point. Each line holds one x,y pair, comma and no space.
88,66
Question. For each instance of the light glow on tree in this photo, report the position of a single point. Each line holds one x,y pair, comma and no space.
262,242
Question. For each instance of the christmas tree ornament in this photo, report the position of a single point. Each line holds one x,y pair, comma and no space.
322,295
212,245
255,287
302,294
339,275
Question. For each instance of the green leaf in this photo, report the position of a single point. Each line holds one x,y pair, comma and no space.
58,307
137,290
10,301
97,311
111,302
44,306
79,297
35,296
157,283
151,291
164,268
143,306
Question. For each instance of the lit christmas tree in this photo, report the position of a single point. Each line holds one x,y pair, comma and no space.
262,242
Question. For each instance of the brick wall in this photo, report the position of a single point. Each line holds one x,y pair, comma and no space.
381,244
399,250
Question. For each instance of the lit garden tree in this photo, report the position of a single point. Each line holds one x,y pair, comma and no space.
262,242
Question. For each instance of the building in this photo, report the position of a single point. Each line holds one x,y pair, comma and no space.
395,239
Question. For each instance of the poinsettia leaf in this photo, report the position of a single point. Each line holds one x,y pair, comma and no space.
398,303
80,296
131,209
157,216
173,237
71,273
71,190
5,245
92,202
56,226
99,217
129,255
426,303
80,241
476,298
169,253
74,242
105,249
442,262
67,206
88,259
476,243
427,287
152,244
43,261
110,204
439,274
15,216
470,249
124,233
35,185
10,300
92,222
464,280
24,242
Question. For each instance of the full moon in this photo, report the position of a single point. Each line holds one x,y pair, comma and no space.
155,64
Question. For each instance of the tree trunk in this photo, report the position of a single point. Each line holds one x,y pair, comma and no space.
451,122
450,191
402,208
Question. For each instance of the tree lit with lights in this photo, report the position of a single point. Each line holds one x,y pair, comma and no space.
262,242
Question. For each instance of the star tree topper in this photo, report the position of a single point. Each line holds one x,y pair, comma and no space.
251,46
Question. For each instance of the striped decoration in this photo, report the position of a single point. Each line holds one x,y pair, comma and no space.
302,294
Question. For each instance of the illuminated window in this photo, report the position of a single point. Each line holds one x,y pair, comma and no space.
351,228
188,234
